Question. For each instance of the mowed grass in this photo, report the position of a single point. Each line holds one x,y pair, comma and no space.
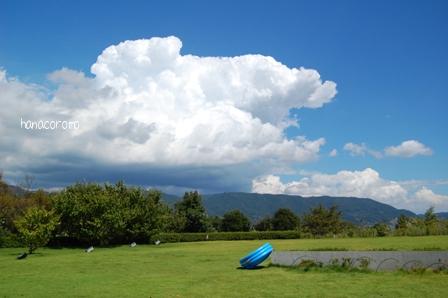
209,269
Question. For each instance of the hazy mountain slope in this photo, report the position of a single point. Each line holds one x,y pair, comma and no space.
256,206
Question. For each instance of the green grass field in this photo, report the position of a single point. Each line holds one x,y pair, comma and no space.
209,269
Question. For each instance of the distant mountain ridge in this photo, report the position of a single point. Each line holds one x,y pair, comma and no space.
442,215
361,211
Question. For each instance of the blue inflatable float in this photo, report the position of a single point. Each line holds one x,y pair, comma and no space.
255,258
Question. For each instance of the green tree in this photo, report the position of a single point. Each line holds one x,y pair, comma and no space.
215,223
4,189
431,222
35,227
192,210
402,222
321,221
265,224
39,198
13,207
176,221
430,217
85,211
138,214
149,215
284,219
381,229
235,221
96,214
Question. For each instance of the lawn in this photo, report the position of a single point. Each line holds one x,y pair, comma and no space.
209,269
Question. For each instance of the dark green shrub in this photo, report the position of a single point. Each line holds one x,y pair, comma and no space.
364,263
329,249
346,262
214,223
96,214
321,221
192,210
8,239
192,237
264,224
306,265
382,229
235,221
285,220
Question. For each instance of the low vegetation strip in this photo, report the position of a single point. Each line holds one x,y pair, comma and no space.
372,260
192,237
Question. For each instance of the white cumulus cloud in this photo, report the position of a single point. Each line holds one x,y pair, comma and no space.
268,184
425,197
362,184
148,103
361,150
333,153
408,148
355,149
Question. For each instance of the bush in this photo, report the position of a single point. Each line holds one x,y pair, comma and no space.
411,231
321,221
235,221
284,220
306,265
365,232
109,214
192,210
264,224
214,224
192,237
36,227
440,228
382,229
335,265
8,239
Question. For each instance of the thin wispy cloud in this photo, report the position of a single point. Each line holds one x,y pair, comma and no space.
361,150
406,149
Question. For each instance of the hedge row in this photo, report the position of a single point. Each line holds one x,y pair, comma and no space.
8,239
192,237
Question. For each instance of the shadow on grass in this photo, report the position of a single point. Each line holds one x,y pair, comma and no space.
255,268
16,255
82,246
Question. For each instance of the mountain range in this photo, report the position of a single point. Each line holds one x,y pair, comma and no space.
361,211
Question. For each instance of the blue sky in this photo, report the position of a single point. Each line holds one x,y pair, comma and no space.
388,59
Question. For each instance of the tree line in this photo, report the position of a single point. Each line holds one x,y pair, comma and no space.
92,214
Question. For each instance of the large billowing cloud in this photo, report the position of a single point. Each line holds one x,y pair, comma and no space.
363,184
149,105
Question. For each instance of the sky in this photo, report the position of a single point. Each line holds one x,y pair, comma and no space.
344,98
